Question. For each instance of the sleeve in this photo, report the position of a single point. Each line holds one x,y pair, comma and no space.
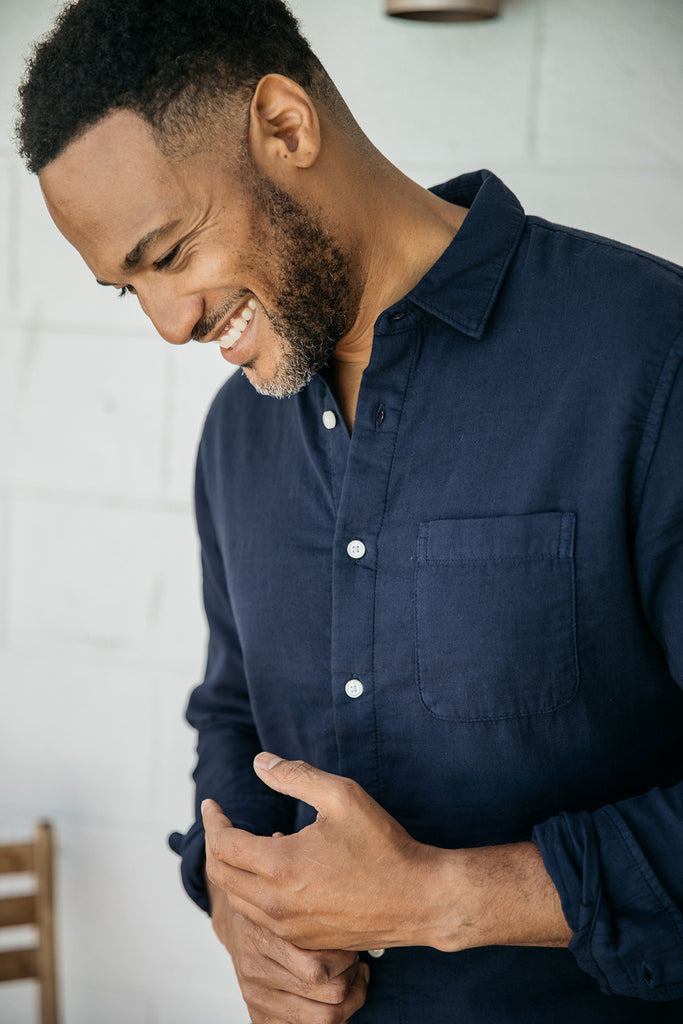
219,709
619,870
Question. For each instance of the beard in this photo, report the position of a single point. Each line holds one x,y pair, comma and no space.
316,300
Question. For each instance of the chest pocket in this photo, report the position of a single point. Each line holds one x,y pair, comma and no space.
495,616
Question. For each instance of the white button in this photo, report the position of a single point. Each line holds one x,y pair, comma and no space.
329,419
376,952
355,549
354,688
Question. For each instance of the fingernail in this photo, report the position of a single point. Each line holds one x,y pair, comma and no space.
204,805
267,761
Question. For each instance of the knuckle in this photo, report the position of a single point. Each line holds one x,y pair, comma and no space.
277,912
315,973
213,846
348,788
247,968
279,871
342,793
337,990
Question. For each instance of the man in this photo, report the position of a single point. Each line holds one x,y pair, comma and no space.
447,572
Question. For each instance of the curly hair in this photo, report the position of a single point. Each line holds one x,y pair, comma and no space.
171,61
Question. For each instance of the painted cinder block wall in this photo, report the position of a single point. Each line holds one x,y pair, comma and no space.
577,105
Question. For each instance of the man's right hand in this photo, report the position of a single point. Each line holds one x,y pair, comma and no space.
281,982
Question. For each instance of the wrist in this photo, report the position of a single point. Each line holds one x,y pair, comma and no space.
497,895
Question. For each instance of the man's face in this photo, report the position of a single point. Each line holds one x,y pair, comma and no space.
210,251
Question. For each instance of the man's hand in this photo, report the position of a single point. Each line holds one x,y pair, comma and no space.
355,879
280,982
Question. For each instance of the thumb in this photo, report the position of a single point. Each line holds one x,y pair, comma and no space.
297,779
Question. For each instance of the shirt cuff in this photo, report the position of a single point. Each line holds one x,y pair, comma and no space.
628,933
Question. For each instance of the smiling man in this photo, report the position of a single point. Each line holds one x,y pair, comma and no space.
443,579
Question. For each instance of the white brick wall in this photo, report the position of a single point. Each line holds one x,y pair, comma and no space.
576,103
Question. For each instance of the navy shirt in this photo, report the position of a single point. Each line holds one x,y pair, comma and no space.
474,604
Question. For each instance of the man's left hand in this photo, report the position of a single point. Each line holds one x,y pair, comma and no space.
354,879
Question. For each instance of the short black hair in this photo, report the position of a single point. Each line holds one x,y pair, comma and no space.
159,58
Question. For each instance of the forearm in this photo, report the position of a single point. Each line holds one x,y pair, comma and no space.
356,880
495,895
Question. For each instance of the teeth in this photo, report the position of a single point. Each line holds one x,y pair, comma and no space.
237,325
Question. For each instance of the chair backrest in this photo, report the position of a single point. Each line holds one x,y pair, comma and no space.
37,909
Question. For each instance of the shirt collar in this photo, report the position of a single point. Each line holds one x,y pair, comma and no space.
462,286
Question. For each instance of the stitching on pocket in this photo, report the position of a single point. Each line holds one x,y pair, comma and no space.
526,671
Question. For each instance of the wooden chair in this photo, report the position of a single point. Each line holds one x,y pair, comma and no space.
38,961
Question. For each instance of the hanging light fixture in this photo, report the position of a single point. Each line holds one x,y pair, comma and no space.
443,10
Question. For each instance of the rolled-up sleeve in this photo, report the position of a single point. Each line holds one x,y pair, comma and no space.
619,873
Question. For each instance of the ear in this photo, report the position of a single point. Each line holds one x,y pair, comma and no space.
283,125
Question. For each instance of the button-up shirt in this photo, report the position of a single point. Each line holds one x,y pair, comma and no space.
473,605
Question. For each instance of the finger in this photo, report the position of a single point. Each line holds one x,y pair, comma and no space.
279,1006
311,967
260,971
298,779
246,892
231,845
213,816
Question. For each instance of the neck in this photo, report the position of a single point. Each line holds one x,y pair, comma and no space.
401,229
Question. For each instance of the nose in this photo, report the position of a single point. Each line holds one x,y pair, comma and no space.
174,316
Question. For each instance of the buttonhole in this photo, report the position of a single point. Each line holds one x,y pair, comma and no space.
379,418
648,976
397,316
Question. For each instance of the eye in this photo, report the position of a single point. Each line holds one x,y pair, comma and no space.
126,290
168,259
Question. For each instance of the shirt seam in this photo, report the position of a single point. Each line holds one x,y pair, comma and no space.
416,349
656,414
512,559
606,243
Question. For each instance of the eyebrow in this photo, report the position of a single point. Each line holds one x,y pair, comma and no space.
132,259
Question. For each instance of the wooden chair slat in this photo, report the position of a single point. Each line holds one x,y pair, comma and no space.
17,858
16,964
18,910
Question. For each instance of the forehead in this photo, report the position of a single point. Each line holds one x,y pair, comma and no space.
110,181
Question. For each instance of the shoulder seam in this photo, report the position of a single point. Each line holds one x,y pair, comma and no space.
608,243
654,420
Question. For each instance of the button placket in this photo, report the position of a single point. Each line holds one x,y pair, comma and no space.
361,508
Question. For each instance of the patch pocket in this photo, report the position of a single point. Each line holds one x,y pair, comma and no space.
495,616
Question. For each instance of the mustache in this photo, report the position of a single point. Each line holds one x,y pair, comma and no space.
208,323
